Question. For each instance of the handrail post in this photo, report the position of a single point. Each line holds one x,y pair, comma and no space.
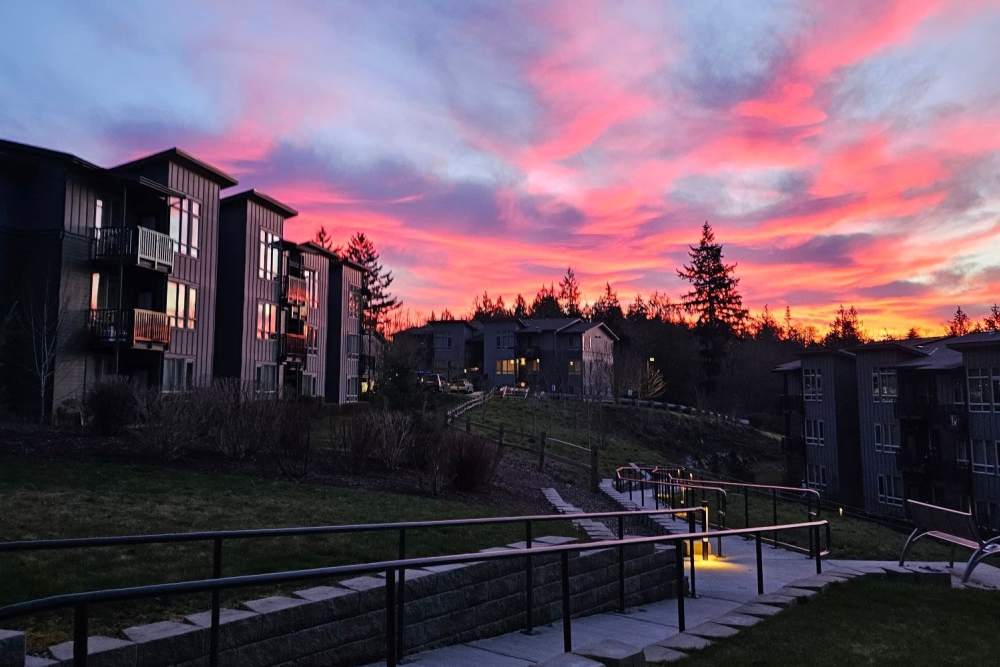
723,502
679,573
819,560
213,636
760,564
704,529
80,635
621,564
564,576
390,618
774,515
528,582
400,623
691,527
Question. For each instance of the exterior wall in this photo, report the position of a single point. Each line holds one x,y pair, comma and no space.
230,320
985,425
598,358
871,412
450,361
343,364
317,318
824,410
256,290
492,332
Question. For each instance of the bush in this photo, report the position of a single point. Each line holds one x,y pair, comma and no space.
472,461
392,437
111,406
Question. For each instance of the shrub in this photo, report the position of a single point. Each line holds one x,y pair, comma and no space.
111,406
472,461
392,437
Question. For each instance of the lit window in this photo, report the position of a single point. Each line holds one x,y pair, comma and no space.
268,255
267,320
505,367
185,225
182,301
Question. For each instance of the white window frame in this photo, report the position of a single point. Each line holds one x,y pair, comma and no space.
185,377
814,432
986,465
267,320
258,378
962,455
183,312
268,255
882,390
185,225
816,476
812,384
888,493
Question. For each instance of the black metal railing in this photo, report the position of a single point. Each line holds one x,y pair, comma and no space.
401,528
80,602
293,345
136,326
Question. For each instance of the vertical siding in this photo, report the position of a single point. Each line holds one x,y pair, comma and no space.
826,411
257,289
984,425
317,318
875,463
198,344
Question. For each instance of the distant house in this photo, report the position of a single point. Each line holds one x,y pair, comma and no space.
452,348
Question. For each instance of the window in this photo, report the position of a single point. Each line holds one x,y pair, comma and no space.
814,432
962,452
353,345
983,457
890,489
100,217
178,375
884,385
996,389
574,342
308,384
886,438
812,384
354,303
312,340
979,390
268,255
442,342
267,320
353,385
265,379
816,475
185,223
506,340
956,391
505,367
312,288
575,367
182,302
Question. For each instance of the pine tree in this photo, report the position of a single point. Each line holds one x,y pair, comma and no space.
845,330
959,324
569,294
378,302
715,300
323,239
546,304
608,309
520,310
638,311
992,321
912,334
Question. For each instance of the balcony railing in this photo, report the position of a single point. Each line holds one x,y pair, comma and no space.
144,329
293,346
136,245
295,290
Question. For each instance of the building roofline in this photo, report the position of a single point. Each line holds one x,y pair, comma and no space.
262,199
320,250
48,152
207,170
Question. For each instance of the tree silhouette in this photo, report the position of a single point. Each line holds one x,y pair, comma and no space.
520,309
608,309
716,301
992,321
959,324
569,294
378,302
845,330
323,239
546,304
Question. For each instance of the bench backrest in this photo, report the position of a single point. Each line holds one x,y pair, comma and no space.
943,520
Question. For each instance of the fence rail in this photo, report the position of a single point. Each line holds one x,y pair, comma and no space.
80,602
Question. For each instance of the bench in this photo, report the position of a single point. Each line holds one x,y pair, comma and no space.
950,526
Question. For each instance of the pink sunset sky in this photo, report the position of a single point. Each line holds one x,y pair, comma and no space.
845,152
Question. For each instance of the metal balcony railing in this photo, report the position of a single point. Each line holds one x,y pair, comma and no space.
293,345
295,290
137,327
136,245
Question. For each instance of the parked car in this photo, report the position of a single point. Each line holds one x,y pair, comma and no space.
431,381
461,386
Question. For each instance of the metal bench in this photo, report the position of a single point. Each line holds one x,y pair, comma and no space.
950,526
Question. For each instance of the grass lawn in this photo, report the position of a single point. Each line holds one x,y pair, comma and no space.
44,499
870,622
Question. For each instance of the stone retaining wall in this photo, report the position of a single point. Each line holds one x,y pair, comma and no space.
345,624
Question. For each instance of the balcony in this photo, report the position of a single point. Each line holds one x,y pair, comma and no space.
293,347
139,328
137,246
294,290
790,403
952,417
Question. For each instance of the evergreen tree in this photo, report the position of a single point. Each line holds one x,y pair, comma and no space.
520,310
323,239
608,309
845,330
638,311
378,302
959,324
715,300
912,334
992,321
765,327
546,304
569,294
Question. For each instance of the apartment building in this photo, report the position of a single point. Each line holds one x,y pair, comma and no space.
821,420
567,355
260,340
128,271
451,348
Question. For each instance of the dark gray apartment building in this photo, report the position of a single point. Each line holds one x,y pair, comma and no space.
126,272
821,421
451,348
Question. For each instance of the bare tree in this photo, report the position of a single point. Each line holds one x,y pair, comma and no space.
43,320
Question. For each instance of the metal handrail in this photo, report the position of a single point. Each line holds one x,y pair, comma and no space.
80,601
400,527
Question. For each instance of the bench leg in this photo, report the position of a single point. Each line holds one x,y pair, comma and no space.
971,564
914,536
951,556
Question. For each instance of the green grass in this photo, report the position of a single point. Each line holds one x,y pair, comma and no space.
45,499
870,622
